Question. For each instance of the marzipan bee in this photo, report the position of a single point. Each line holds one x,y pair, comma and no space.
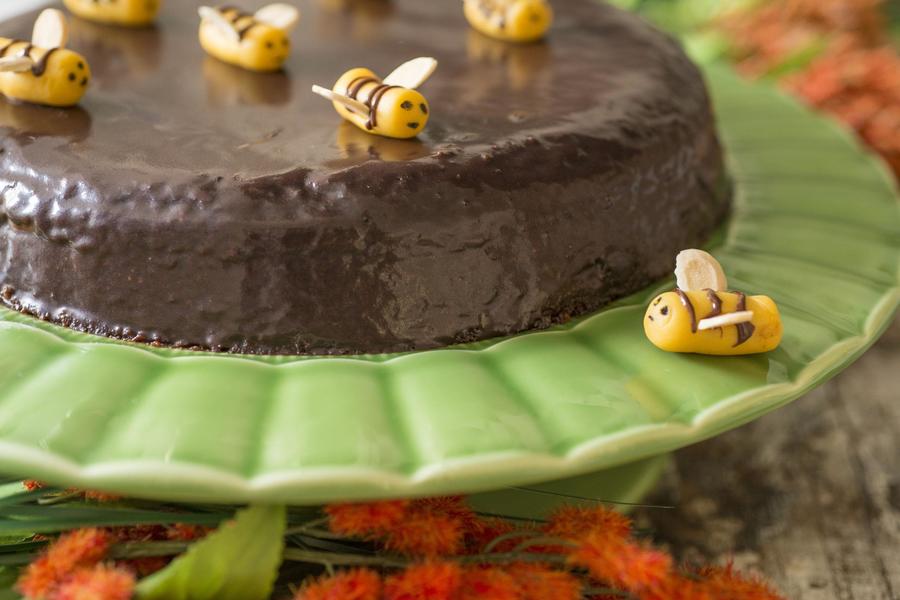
42,71
390,107
258,42
132,13
701,317
510,20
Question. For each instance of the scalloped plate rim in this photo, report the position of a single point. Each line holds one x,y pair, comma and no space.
473,472
581,459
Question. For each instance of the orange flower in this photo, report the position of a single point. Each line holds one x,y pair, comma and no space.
74,550
32,485
484,531
540,582
577,522
365,519
861,87
356,584
428,581
451,506
426,534
726,584
488,584
97,583
622,564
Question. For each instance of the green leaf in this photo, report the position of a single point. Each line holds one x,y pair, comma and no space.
24,520
238,562
8,579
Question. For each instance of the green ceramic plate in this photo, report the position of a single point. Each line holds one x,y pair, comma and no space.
816,226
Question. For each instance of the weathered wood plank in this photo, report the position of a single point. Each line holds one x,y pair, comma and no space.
809,495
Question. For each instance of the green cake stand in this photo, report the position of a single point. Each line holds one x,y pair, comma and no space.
816,226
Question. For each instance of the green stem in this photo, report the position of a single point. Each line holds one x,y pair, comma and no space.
513,557
128,550
333,558
323,534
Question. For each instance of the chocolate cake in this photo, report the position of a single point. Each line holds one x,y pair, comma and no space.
191,203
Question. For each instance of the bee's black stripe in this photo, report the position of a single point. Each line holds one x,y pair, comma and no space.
689,307
744,330
234,15
374,99
39,67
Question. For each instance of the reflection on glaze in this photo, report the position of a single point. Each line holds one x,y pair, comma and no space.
524,63
358,20
25,121
358,146
227,85
121,55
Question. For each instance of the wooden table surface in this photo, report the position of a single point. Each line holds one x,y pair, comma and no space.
808,495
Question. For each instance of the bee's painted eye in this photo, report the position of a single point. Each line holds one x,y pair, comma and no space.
270,45
664,310
424,108
413,125
407,105
80,65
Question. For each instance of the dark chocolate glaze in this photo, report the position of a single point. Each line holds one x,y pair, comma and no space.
552,178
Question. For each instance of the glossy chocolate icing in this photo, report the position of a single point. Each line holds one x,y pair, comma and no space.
192,203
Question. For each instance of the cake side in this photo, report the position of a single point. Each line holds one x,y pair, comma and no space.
552,179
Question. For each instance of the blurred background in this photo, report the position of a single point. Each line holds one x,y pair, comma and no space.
839,56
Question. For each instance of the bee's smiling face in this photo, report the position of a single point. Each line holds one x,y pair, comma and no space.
271,46
69,76
660,312
661,320
403,113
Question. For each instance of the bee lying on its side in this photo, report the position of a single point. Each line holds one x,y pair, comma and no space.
258,42
510,20
699,316
42,71
391,107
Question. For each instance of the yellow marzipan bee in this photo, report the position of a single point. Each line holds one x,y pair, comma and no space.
700,317
257,42
390,107
42,71
510,20
130,13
